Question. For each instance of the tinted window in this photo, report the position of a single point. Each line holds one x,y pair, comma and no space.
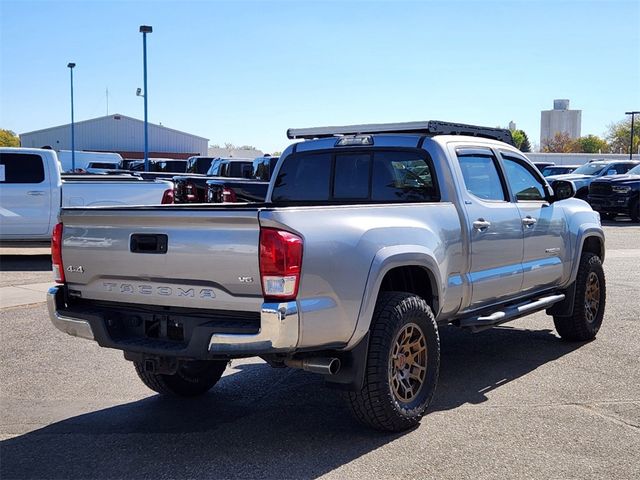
239,169
303,178
592,168
481,176
351,177
621,168
523,183
21,168
402,176
102,165
379,176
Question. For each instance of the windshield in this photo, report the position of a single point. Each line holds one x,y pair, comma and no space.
592,168
635,170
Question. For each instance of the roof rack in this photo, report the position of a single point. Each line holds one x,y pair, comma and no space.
430,127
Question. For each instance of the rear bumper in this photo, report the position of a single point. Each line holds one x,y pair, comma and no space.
277,332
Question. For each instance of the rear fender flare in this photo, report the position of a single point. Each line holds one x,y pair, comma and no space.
385,260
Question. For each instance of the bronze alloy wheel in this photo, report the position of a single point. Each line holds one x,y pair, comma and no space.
592,297
408,363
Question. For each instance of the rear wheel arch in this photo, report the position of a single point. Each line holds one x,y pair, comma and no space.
390,266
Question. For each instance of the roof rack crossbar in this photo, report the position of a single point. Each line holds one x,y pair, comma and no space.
430,127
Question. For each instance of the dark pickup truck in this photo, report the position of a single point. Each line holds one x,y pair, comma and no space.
254,189
192,188
617,194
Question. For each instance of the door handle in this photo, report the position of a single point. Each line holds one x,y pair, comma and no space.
481,224
35,193
529,221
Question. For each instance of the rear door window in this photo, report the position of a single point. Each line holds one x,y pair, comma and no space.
21,168
357,176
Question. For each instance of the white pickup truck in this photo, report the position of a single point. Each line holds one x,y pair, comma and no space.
32,191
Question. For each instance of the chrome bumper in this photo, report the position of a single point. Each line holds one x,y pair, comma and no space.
279,328
71,326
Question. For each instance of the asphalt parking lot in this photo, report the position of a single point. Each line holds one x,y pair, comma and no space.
512,402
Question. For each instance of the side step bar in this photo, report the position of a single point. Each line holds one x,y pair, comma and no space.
483,322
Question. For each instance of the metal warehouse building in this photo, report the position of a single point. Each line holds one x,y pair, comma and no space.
121,134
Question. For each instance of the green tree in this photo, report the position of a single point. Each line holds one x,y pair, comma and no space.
8,138
521,140
619,136
591,144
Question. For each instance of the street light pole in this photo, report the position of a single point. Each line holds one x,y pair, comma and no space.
73,133
633,114
144,29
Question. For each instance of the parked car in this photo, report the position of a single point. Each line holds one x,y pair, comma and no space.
160,165
365,244
33,190
558,170
582,176
617,194
253,189
542,165
83,159
199,165
193,188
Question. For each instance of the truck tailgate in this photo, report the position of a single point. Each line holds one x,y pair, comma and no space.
210,258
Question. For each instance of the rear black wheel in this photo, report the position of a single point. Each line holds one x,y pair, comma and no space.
403,362
191,379
589,302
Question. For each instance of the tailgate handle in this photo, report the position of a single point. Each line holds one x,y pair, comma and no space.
148,243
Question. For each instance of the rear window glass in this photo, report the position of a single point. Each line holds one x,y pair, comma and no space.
240,169
373,175
352,176
103,165
303,178
21,168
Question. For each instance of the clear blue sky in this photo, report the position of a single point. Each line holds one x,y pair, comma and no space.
244,72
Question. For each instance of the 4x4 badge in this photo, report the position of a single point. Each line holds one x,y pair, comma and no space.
75,269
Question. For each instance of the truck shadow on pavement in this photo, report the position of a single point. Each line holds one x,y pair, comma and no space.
259,422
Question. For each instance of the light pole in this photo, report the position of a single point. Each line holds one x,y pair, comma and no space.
73,133
633,114
144,29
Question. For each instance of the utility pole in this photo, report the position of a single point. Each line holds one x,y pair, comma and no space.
73,133
144,29
633,114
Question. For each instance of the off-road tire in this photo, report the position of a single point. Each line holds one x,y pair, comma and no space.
192,379
578,327
376,405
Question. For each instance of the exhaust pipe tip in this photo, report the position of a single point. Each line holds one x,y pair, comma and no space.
321,365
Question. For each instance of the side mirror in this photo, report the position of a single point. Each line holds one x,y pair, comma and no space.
562,189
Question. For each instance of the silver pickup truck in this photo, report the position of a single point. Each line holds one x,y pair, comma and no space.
370,237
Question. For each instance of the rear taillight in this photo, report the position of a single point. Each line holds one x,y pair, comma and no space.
168,197
56,254
229,195
280,263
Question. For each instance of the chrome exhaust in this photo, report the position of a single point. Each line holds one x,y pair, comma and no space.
321,365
